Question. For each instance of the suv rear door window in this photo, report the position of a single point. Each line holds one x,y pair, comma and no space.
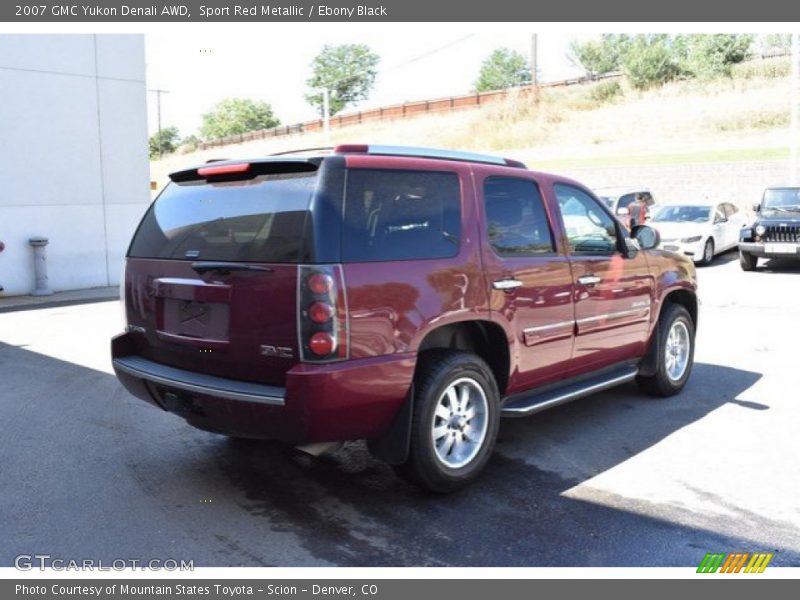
256,220
399,215
515,217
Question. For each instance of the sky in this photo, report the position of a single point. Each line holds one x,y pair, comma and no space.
272,63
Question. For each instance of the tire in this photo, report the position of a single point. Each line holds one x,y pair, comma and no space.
708,252
668,381
747,261
440,465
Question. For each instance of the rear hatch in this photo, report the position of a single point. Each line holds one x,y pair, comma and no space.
211,276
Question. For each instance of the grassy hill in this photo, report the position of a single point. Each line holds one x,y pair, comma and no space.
743,117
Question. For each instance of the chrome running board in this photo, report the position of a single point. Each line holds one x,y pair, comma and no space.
524,405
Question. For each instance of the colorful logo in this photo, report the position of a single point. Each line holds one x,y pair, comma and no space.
735,562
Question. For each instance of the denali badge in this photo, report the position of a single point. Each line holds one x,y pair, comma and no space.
277,351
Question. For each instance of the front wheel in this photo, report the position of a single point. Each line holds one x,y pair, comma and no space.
708,252
675,353
455,421
747,261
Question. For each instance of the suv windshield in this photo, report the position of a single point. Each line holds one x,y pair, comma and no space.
683,214
782,198
255,220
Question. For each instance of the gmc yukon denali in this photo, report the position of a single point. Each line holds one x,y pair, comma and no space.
409,297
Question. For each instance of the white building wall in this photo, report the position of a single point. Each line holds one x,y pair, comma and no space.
73,155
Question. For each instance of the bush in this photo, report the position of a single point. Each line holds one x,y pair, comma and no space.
769,68
753,120
605,91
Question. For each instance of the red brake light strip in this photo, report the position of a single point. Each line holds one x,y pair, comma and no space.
223,169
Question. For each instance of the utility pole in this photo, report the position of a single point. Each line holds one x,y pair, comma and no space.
794,167
158,93
535,66
326,115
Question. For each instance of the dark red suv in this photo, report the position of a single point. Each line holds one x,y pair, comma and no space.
406,296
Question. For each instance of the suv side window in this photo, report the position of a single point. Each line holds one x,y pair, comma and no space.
590,230
516,220
400,215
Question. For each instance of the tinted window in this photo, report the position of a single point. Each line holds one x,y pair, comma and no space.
397,215
515,217
590,230
259,219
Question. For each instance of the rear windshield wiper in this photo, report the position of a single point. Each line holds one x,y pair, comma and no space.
227,267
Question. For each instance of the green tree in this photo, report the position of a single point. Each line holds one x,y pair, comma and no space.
650,60
164,142
503,68
237,115
711,55
348,71
599,56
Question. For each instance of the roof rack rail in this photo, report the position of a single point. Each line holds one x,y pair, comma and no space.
421,152
213,160
301,150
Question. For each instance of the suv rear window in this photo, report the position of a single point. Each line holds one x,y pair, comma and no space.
262,219
399,215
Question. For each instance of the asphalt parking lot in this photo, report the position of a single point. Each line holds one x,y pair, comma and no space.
618,479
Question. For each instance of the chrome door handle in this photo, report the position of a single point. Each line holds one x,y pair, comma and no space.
506,284
589,280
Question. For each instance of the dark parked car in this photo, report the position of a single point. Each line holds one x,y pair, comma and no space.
410,297
776,231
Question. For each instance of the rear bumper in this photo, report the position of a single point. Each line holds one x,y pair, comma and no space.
356,399
759,249
198,383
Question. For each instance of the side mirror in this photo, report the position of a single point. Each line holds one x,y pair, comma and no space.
756,207
647,237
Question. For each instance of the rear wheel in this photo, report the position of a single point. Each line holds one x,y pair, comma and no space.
747,261
708,252
455,421
675,353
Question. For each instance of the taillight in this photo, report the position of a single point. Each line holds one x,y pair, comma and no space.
322,313
322,343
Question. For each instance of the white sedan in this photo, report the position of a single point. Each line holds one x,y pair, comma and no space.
700,231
